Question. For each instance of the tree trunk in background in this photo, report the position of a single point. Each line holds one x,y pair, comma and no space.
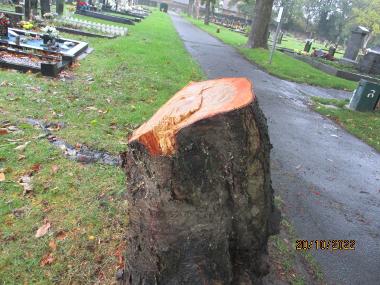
34,7
45,7
197,7
258,37
59,7
199,189
190,8
207,15
27,10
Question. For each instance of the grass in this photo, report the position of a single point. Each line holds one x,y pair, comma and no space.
364,125
289,265
292,42
100,100
283,66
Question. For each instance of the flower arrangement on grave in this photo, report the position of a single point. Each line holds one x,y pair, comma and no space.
82,5
4,24
50,35
48,16
26,25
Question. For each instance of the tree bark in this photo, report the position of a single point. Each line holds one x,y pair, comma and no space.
34,7
45,6
258,37
27,10
60,6
207,15
197,7
199,190
190,8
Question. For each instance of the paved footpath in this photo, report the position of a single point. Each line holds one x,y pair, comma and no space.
329,180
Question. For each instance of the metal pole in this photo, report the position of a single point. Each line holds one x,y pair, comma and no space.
279,20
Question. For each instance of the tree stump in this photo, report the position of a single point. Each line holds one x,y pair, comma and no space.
199,189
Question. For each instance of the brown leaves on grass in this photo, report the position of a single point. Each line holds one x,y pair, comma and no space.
61,235
4,131
53,245
43,229
26,180
47,259
119,254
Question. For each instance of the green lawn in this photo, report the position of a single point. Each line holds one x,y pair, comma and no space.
283,66
292,42
108,94
364,125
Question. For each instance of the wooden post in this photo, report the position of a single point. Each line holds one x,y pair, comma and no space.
199,189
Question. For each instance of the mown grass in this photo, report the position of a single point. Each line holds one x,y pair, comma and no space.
291,266
101,100
364,125
283,66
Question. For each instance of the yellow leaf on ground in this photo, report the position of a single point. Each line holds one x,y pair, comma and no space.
2,177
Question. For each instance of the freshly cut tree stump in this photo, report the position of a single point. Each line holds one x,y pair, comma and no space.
199,189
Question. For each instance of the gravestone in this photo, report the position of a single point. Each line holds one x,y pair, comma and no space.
19,9
355,43
370,63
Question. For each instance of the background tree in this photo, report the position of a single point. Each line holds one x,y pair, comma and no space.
258,36
207,11
190,8
367,13
45,7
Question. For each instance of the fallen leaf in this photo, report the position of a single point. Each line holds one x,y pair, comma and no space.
2,177
43,230
61,235
36,167
54,168
91,108
21,157
4,132
47,259
22,147
53,245
25,181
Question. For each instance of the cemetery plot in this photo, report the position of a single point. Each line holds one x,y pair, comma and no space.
233,23
106,17
138,13
24,51
90,29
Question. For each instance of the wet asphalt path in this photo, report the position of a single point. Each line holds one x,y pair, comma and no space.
329,180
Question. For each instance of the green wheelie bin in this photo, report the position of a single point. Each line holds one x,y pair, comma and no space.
365,97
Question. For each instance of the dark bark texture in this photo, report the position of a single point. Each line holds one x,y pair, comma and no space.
204,214
258,37
45,6
207,15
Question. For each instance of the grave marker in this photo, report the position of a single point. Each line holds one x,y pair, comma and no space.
355,43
